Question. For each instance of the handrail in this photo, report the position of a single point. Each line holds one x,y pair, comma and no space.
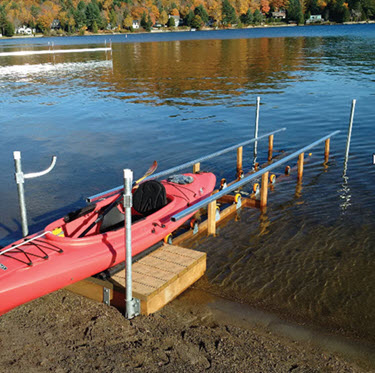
109,192
31,175
24,243
247,179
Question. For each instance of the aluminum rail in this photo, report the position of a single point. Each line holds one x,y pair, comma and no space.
247,179
109,192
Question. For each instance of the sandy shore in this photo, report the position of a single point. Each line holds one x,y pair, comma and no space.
63,332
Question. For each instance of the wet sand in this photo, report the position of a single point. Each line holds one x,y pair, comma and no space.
63,332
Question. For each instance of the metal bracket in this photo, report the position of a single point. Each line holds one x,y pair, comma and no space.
20,179
195,228
133,308
106,296
239,203
127,200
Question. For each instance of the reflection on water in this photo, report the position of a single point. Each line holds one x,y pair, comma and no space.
177,100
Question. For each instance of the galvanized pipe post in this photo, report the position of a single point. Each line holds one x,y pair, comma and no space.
21,192
256,129
20,179
131,305
350,129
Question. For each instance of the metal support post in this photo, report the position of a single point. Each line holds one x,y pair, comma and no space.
131,305
256,129
350,130
20,179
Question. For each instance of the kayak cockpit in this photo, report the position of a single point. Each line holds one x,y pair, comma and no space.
149,198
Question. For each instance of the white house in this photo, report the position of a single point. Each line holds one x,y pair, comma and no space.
23,30
135,25
315,18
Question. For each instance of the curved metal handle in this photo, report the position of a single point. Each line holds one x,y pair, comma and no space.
41,173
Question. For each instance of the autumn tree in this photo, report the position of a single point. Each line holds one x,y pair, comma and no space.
197,22
128,22
163,18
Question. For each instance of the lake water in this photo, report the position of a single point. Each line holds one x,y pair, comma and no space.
176,96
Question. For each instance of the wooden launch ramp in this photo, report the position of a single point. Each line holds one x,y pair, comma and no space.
158,278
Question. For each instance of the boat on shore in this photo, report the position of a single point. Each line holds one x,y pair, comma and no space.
92,239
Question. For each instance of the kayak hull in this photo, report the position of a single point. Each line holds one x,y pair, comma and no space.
52,261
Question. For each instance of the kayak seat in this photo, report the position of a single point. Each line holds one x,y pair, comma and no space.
114,220
149,197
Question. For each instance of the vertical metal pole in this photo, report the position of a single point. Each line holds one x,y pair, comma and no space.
128,181
256,129
21,192
350,129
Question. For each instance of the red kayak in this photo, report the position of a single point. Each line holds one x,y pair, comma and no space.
66,251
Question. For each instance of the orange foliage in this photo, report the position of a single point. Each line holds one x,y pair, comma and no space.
264,6
175,12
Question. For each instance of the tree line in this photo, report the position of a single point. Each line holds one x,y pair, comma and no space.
77,16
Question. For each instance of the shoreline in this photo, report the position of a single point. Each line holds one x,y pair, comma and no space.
155,31
64,332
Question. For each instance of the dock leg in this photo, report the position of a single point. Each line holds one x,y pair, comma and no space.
300,166
270,147
264,190
326,150
196,168
239,158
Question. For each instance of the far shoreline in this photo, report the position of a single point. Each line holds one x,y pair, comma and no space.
176,30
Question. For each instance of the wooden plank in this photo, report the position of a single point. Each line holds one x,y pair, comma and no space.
90,289
172,258
193,254
174,289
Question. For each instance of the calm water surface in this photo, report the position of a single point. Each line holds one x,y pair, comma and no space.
172,98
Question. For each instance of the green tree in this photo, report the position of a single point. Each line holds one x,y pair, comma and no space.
257,17
92,14
247,18
146,23
9,29
229,13
189,18
3,20
295,12
202,13
94,27
79,15
171,22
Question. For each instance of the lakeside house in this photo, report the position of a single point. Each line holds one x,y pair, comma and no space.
23,30
314,18
281,14
135,25
55,25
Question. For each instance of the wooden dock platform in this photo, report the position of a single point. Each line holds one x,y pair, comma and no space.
158,278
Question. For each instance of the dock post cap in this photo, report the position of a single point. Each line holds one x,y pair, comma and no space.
128,173
17,154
